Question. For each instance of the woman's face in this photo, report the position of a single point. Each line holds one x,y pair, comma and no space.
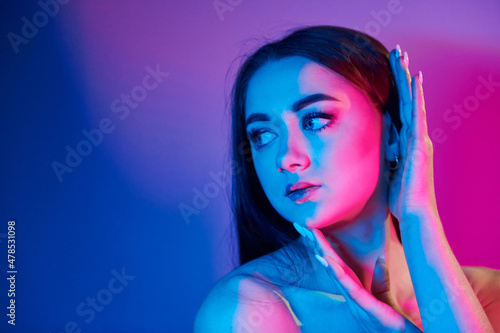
319,129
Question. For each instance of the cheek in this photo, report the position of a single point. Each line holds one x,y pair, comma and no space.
267,175
352,163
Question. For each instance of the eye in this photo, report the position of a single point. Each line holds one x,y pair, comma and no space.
317,121
261,137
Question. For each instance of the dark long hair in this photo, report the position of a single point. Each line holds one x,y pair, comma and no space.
356,56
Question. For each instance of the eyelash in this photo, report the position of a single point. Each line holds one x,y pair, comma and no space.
318,114
254,133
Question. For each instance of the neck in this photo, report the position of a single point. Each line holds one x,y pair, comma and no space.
360,241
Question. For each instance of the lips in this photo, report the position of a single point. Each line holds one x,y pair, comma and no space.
298,186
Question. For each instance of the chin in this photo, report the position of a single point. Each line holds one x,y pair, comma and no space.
304,215
332,218
317,224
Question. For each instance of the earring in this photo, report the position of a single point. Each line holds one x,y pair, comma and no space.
280,169
394,164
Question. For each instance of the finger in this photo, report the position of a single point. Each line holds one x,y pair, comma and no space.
352,288
343,273
355,291
419,117
326,248
404,88
381,285
385,314
402,80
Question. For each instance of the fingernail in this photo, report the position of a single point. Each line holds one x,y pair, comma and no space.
321,260
340,269
406,59
398,51
309,234
299,229
421,77
381,259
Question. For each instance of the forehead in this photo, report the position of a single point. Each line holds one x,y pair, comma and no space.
278,84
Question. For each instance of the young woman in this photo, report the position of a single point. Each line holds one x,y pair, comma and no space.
333,195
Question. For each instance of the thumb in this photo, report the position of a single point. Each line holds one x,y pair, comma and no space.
381,286
380,289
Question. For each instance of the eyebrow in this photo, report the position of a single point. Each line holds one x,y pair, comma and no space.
297,106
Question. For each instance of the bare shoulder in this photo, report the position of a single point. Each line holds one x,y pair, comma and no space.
483,277
244,301
486,284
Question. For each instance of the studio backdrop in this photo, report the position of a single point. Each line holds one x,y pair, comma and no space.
114,141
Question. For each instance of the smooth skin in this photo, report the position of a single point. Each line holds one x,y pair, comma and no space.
339,157
412,200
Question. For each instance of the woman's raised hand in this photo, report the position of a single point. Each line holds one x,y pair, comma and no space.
411,189
377,311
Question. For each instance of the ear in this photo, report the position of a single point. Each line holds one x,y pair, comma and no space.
391,137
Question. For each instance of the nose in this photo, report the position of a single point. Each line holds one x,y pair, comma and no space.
292,155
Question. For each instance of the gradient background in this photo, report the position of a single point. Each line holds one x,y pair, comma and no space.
119,207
